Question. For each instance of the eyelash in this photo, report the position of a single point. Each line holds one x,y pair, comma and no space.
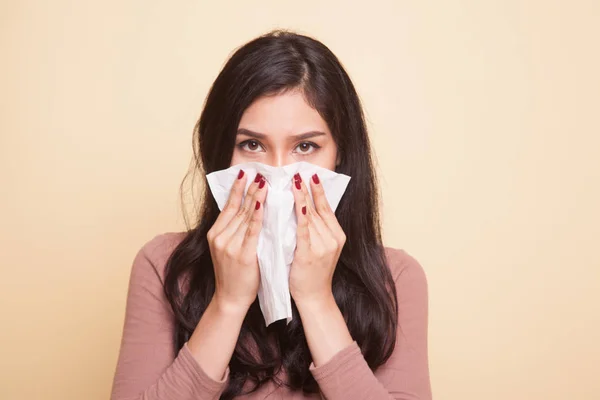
241,146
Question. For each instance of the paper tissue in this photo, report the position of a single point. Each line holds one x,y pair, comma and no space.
277,239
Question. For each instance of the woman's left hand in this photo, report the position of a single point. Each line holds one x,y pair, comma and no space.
319,243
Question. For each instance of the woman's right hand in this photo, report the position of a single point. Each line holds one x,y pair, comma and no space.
233,240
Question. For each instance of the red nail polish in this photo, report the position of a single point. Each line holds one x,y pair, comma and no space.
262,183
297,183
257,206
241,174
304,210
315,179
297,177
258,177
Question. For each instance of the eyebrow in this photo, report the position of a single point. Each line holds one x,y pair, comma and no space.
300,136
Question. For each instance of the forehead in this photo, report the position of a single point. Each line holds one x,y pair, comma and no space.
282,114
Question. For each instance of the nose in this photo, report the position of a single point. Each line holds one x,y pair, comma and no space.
279,158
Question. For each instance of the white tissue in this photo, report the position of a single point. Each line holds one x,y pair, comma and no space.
277,239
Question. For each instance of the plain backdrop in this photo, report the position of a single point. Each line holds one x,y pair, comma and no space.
484,116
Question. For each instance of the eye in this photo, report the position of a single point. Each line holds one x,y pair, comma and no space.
251,145
306,148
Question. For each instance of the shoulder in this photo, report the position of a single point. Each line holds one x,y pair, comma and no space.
406,271
152,258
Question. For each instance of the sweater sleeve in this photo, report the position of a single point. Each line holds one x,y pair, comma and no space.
405,376
148,367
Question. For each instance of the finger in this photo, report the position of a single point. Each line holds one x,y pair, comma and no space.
250,237
312,233
322,206
252,223
314,220
302,231
233,203
246,206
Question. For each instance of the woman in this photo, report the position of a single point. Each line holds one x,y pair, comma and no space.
193,326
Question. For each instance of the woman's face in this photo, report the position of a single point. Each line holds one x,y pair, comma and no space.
283,129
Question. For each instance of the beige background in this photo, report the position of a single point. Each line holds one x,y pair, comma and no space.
484,116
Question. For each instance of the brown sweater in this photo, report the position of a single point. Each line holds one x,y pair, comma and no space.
148,369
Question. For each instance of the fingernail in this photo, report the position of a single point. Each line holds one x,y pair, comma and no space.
258,177
315,179
297,177
257,206
304,210
262,183
240,174
297,183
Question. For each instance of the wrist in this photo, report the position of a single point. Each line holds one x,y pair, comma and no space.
314,304
229,308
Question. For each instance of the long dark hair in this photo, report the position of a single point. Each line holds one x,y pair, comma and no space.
362,284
